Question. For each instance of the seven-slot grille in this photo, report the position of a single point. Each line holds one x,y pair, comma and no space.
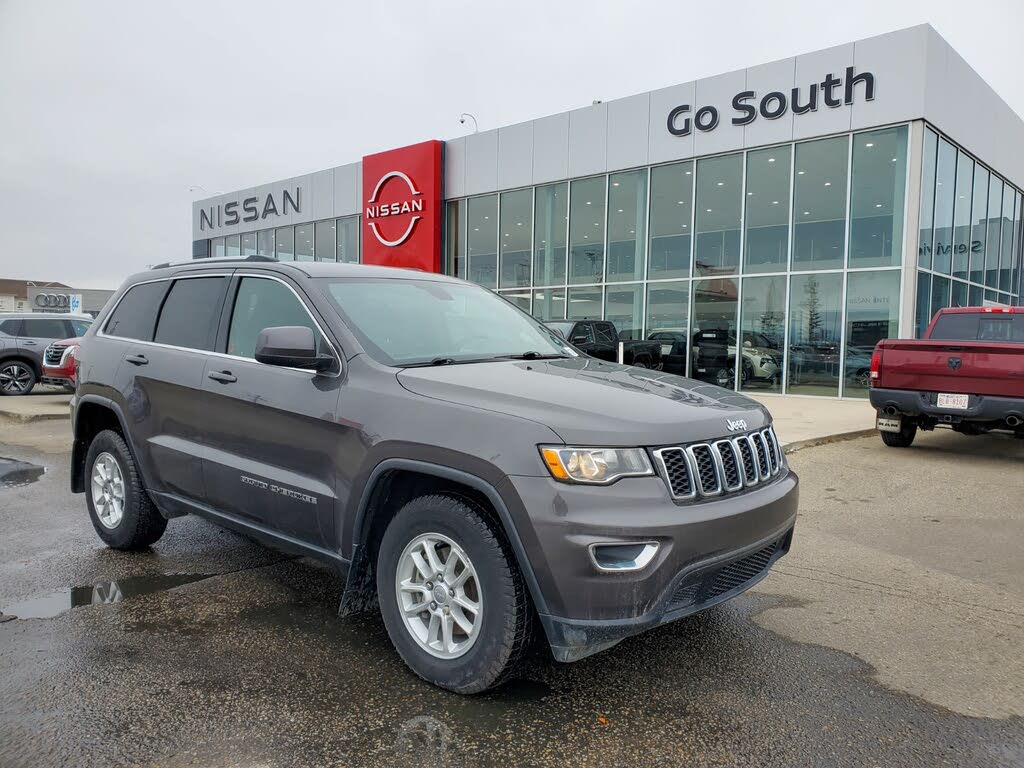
721,466
53,354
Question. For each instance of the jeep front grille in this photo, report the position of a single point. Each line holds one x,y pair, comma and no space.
720,467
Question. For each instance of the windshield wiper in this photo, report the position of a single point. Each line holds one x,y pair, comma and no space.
438,361
532,356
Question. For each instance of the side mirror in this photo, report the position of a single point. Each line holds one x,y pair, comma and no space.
290,346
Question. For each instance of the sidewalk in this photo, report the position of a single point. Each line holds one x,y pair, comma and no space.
799,421
35,407
804,421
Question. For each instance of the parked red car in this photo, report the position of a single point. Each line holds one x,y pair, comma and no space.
967,373
59,363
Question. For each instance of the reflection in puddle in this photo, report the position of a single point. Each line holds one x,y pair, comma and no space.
56,603
423,741
14,473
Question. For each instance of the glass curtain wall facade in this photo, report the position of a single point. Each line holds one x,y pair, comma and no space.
970,240
767,270
327,240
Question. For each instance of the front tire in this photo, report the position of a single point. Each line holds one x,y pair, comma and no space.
901,439
121,510
16,378
468,630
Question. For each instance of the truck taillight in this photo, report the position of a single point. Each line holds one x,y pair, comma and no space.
876,363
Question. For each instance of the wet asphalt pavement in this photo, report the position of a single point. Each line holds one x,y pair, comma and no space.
211,650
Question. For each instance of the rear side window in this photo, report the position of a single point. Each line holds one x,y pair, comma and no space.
45,328
979,327
79,327
606,332
263,303
190,312
135,315
10,328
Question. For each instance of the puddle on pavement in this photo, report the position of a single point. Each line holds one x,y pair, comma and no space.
15,473
520,691
103,593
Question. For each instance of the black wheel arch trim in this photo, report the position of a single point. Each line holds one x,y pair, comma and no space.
78,448
446,473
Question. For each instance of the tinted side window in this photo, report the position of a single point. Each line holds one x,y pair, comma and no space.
135,315
191,309
10,327
606,333
45,328
263,303
79,327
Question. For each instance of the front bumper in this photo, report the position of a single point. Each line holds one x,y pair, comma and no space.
709,551
979,407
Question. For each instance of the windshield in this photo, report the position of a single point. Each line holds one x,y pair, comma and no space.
423,322
562,329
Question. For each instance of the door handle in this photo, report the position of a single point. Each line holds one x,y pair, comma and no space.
136,359
224,377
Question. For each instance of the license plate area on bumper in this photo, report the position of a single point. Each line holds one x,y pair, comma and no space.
954,402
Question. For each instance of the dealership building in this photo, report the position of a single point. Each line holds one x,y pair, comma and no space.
794,212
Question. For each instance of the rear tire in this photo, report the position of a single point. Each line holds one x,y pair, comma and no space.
119,506
461,661
901,439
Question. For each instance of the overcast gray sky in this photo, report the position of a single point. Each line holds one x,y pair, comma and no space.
111,109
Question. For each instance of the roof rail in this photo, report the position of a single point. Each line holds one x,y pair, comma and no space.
220,260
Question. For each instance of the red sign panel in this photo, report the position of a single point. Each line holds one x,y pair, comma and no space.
402,207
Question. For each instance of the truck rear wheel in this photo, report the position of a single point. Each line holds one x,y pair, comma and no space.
451,595
121,510
901,439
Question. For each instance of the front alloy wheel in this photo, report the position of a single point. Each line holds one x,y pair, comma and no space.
453,600
439,595
16,379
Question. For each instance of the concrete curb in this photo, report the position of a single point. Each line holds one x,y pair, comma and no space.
29,418
826,439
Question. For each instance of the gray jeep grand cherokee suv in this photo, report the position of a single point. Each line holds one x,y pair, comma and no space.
463,466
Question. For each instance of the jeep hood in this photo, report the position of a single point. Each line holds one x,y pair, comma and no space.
591,402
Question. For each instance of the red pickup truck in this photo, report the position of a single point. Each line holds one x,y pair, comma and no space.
967,373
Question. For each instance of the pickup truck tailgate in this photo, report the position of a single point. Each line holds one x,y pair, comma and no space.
963,367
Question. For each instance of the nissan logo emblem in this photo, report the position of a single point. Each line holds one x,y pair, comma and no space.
53,300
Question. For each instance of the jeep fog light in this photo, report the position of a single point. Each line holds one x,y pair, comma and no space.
599,466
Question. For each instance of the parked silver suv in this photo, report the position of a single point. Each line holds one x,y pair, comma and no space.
24,336
465,468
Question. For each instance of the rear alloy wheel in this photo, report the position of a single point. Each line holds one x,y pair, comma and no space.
16,378
121,510
451,595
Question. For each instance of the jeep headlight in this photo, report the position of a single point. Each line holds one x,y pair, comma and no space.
599,466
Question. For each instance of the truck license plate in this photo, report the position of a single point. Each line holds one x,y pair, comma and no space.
888,425
952,401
